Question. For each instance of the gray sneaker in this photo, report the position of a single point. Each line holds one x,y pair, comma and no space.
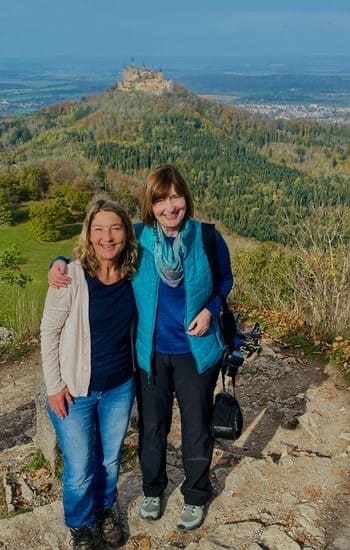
151,508
191,517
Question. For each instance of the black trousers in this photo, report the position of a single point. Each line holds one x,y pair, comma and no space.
194,393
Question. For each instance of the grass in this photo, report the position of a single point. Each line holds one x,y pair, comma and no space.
299,341
37,461
21,308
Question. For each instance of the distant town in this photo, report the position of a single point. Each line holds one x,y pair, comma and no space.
312,111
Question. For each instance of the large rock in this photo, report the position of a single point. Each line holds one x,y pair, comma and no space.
45,437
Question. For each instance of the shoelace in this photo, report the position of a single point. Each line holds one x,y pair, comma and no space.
83,536
110,520
151,500
190,508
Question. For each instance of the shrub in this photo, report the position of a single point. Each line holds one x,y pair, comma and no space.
310,281
47,218
10,271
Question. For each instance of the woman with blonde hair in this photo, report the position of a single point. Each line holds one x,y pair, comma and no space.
87,362
179,343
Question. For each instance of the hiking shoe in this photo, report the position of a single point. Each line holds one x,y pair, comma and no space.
150,508
191,517
108,523
85,538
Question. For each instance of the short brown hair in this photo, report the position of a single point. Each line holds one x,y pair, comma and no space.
85,252
157,187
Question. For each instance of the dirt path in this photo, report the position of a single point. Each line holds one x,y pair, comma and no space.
283,485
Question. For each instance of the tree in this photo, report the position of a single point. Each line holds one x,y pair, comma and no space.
10,271
47,218
7,212
34,181
126,199
78,200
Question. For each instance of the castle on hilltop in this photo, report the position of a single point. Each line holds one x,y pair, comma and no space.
144,80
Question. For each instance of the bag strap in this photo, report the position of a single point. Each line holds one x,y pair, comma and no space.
210,245
229,329
233,379
228,323
228,319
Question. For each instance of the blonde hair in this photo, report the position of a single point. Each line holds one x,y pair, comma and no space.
157,187
85,252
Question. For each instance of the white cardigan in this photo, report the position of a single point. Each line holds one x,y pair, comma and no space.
65,336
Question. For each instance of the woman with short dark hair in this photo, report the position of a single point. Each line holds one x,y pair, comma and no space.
179,342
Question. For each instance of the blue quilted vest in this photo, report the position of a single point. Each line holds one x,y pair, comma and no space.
207,350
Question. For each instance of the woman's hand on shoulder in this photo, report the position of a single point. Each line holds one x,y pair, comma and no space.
58,402
200,324
57,275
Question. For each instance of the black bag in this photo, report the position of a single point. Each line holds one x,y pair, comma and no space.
227,414
227,417
227,420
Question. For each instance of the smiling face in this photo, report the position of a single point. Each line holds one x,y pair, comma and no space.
170,211
107,236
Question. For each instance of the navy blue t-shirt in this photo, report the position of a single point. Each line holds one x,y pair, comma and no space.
111,311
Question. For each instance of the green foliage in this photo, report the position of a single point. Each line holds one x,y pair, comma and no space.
9,257
310,281
126,199
7,212
78,200
217,147
13,277
9,197
37,461
9,185
10,271
47,218
261,277
21,307
75,196
322,271
58,463
34,181
217,150
114,139
340,358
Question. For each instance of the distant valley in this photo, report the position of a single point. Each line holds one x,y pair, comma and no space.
309,88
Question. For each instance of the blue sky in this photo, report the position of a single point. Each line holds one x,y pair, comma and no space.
174,28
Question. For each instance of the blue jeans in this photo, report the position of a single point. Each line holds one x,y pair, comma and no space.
91,438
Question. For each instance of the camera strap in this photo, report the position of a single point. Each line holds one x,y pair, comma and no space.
232,378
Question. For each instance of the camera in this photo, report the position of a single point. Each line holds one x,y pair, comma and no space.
232,360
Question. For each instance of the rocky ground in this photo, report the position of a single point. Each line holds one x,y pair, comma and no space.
283,485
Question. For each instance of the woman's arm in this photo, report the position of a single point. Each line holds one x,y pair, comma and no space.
56,310
222,276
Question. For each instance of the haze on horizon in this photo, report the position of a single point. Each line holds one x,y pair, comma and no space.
182,28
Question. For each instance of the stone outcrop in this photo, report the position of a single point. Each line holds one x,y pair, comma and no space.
6,336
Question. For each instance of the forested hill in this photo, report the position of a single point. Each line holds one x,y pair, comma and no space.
245,170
